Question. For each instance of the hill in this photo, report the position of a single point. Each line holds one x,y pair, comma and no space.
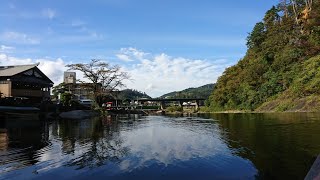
199,92
281,68
131,94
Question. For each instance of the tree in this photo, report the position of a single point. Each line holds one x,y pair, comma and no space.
283,5
60,88
271,18
103,77
66,98
296,7
257,36
279,68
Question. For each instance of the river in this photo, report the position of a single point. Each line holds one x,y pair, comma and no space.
207,146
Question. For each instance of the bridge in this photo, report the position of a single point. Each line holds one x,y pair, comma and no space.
180,100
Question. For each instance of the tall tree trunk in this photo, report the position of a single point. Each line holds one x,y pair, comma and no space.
294,7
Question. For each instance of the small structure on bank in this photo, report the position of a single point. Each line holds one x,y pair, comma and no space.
24,81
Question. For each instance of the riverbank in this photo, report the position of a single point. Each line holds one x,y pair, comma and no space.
278,105
239,112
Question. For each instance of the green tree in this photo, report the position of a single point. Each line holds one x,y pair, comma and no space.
278,65
271,18
257,36
66,98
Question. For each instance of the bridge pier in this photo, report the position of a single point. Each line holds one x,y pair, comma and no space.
162,105
181,104
197,105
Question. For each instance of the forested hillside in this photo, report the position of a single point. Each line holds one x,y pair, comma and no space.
199,92
281,68
131,94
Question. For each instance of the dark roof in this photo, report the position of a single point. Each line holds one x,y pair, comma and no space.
16,71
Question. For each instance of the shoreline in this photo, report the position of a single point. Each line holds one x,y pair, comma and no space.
255,112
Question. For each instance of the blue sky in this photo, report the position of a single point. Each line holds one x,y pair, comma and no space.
157,42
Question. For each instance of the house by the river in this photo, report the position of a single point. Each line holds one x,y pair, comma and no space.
24,81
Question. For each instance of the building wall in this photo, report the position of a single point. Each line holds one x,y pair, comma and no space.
69,77
7,91
29,93
5,88
80,91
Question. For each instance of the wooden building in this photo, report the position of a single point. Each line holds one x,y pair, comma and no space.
25,81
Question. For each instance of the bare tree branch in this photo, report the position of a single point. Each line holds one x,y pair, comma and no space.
103,78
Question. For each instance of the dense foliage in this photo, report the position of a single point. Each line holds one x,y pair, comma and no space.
281,62
199,92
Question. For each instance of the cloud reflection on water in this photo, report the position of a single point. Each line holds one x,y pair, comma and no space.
164,144
141,146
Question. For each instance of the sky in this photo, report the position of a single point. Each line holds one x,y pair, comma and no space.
165,45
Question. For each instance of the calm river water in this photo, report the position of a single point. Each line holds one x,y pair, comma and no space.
208,146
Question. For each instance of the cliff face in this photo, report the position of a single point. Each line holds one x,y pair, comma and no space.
281,69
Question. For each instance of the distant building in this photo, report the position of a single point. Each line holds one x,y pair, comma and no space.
24,81
69,77
78,90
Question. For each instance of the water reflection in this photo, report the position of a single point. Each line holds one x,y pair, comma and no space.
19,140
281,145
118,146
227,146
161,142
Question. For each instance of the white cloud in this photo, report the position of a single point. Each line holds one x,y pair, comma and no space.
52,68
19,38
4,48
9,60
160,74
124,57
48,13
153,74
130,54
